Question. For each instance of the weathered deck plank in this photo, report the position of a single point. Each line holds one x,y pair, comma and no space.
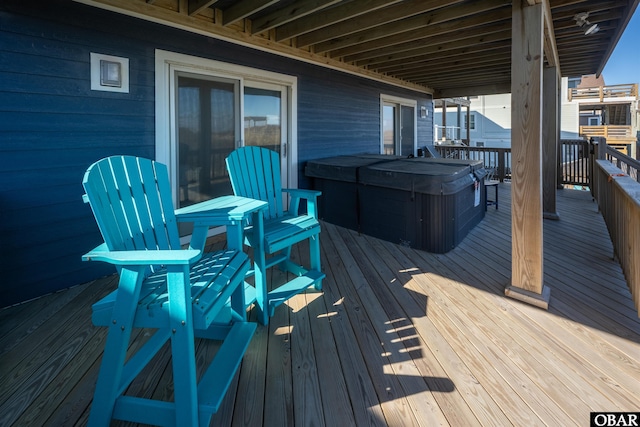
397,337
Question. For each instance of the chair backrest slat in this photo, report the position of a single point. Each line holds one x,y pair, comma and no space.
101,185
255,173
131,200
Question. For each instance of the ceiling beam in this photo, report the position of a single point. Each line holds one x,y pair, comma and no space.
389,17
455,54
451,28
242,9
197,6
471,80
429,46
458,60
417,23
290,13
466,78
329,17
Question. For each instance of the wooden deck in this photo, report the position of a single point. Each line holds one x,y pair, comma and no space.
398,337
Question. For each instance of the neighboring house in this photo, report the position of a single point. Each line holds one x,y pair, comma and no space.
489,120
153,95
588,108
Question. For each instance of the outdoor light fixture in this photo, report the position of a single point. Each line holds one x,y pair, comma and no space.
582,22
109,73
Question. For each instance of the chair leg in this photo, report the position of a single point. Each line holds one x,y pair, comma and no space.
183,348
496,187
260,270
115,351
314,255
486,201
260,282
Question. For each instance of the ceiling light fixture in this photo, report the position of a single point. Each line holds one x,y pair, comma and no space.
583,22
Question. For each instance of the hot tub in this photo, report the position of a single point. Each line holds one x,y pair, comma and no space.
424,203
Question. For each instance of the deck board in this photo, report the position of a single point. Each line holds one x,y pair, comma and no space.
397,337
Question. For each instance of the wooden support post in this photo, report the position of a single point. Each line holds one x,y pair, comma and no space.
468,124
459,122
444,119
560,171
550,142
526,161
602,148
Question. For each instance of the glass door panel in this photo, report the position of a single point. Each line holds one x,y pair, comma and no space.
398,129
407,139
207,117
263,118
389,129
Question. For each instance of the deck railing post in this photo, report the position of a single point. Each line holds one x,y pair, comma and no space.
502,155
602,148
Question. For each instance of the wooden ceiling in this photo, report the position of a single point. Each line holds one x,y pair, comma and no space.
447,47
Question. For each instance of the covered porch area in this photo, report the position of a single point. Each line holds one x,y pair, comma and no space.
398,337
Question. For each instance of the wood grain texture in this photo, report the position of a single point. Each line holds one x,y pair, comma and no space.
618,198
526,147
550,141
397,337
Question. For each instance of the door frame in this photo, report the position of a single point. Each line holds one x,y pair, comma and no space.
398,101
166,65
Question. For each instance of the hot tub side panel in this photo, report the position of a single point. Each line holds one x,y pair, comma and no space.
446,220
339,202
390,214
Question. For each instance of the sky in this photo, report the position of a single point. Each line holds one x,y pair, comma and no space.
623,66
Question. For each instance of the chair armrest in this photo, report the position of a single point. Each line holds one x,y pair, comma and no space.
309,195
143,257
303,193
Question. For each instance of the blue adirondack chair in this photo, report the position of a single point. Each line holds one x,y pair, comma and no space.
255,173
182,294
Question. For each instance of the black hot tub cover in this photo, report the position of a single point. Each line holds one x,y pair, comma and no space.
427,176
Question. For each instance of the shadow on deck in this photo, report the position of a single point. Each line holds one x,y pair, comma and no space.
398,337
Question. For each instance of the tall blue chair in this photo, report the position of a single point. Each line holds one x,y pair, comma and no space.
181,294
255,173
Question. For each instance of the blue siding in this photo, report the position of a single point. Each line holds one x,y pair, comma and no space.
52,126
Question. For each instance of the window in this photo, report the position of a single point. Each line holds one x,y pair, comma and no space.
472,121
573,82
398,126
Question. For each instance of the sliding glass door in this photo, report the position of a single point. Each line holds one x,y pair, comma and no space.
205,109
398,126
213,119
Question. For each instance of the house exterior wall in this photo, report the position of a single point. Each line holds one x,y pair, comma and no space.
53,126
569,113
492,120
